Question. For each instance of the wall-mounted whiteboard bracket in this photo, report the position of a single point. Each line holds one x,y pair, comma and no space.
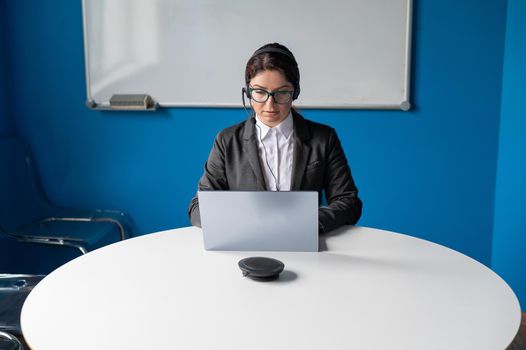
126,102
405,106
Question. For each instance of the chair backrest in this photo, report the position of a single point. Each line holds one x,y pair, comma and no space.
22,199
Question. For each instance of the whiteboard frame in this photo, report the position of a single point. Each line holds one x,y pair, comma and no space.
404,105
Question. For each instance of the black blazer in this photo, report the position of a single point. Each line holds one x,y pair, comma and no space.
319,164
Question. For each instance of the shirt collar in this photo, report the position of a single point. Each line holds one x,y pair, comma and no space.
285,127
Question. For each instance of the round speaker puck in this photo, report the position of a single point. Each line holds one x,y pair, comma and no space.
260,268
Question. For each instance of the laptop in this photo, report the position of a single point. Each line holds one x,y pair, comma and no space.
259,220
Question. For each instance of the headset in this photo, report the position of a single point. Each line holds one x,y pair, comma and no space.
246,90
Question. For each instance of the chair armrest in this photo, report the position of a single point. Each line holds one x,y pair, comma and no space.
124,219
118,218
13,281
49,240
122,233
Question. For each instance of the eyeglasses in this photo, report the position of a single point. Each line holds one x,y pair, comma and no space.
280,96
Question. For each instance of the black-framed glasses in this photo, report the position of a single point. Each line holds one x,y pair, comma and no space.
279,96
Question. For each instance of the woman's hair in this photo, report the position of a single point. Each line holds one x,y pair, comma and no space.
274,57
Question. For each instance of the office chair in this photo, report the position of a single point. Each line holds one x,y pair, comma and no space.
26,215
36,237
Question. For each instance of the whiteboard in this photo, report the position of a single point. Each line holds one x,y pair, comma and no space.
351,53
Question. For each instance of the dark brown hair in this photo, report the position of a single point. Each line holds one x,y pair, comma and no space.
283,62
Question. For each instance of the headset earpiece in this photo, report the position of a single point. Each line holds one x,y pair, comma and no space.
296,92
246,92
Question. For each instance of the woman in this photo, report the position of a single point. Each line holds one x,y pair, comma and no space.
276,149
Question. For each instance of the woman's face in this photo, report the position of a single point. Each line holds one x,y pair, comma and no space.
270,112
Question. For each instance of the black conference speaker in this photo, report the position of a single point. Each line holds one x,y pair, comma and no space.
261,269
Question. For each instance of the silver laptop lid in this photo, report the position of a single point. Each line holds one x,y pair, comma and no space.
259,220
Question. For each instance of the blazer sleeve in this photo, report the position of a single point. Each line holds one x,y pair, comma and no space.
214,178
344,207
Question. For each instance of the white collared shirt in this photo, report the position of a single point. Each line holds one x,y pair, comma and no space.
276,148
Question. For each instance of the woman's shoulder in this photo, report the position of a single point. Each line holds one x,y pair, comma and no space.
312,127
239,130
319,126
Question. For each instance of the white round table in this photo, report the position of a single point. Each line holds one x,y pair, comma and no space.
370,289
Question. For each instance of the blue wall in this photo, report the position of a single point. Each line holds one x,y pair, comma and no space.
3,117
429,172
5,125
509,240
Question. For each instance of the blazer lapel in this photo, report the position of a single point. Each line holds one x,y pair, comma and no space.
301,151
251,150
